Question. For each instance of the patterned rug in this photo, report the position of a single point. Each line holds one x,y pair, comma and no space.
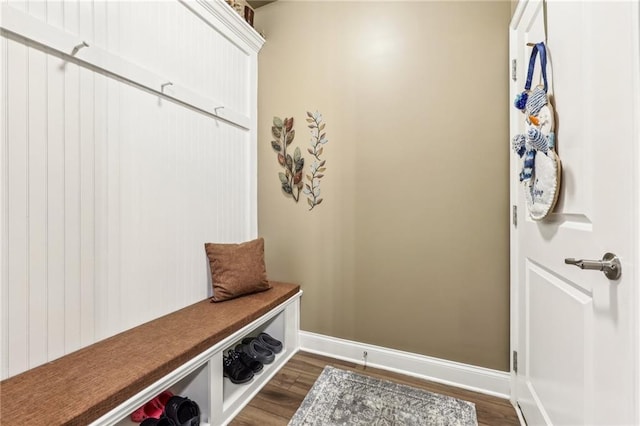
341,397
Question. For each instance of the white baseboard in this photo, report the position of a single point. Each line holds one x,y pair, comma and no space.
478,379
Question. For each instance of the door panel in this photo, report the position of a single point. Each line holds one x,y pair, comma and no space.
573,328
558,356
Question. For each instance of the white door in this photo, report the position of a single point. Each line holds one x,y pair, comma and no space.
574,330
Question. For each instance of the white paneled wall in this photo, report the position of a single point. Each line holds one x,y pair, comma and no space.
109,189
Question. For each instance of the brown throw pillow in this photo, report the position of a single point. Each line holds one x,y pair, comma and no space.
237,269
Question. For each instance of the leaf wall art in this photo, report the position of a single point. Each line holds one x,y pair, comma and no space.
283,134
318,140
291,178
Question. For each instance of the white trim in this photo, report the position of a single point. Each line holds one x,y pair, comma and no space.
517,14
233,26
523,422
22,25
4,223
252,176
513,201
478,379
635,17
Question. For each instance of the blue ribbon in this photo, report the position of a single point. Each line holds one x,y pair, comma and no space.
539,47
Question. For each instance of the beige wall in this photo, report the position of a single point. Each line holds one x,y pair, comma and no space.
409,249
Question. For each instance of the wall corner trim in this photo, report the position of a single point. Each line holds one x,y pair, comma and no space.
478,379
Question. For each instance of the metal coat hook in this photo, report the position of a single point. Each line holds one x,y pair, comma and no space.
78,47
162,86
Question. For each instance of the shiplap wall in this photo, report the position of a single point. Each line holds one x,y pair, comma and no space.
109,189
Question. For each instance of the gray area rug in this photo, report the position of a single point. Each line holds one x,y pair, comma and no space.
341,397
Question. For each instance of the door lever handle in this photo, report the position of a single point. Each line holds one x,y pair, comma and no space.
597,265
610,265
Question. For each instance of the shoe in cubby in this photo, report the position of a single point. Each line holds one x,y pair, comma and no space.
235,369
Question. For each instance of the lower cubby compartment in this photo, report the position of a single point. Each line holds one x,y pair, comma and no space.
194,386
233,392
284,327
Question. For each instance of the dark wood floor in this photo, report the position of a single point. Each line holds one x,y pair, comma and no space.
276,403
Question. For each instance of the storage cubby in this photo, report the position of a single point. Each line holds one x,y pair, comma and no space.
282,326
194,386
202,381
232,393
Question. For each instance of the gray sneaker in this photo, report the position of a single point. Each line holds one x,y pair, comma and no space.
256,350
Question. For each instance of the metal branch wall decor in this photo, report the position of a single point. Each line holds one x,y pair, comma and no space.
318,139
291,179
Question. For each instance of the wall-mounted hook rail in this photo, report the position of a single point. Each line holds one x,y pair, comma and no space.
162,86
26,26
78,47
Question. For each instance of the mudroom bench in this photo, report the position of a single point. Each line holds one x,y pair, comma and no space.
103,383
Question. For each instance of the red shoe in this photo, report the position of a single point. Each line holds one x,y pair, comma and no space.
152,409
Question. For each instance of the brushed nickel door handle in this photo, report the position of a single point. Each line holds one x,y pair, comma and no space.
610,265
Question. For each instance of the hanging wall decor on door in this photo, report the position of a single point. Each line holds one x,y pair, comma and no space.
541,167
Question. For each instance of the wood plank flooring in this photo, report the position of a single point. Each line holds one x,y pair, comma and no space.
276,403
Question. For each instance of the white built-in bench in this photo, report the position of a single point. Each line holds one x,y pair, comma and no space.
103,383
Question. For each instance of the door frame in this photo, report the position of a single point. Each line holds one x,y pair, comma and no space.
513,216
514,187
636,206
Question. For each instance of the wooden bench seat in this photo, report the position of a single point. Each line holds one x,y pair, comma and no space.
82,386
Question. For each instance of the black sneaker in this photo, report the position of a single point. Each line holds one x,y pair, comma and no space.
162,421
181,411
234,369
249,362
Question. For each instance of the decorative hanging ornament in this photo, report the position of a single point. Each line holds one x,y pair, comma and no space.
541,167
521,100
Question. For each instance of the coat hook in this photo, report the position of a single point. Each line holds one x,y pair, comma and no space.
78,47
168,83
